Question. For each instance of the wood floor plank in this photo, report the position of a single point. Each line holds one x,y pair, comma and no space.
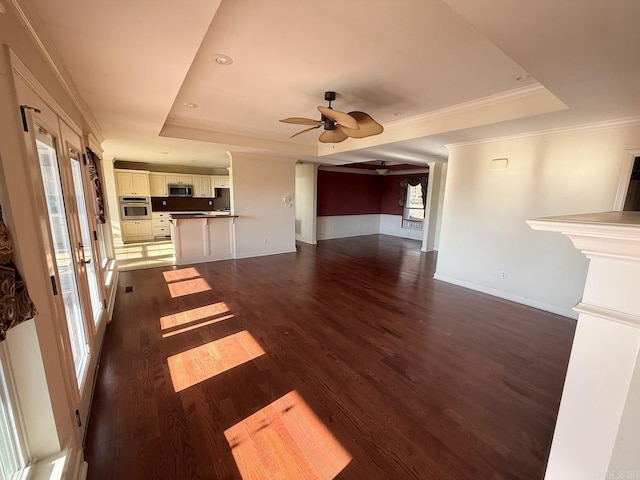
413,378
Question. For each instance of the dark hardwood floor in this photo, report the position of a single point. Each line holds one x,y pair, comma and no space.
342,360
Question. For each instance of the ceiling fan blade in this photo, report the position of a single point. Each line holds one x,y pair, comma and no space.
301,121
341,118
368,126
303,131
333,136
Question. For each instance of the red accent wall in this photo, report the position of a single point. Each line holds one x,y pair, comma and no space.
356,194
390,193
348,194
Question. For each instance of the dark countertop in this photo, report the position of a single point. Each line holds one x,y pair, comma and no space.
182,216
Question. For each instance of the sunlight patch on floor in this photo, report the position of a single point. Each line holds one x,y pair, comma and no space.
195,326
180,274
286,439
206,361
188,287
193,315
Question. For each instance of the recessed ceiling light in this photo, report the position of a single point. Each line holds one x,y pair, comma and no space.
222,59
164,153
397,114
191,105
520,78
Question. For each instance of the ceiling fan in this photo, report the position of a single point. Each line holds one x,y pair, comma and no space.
338,126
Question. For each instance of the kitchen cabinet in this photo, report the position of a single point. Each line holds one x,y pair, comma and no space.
132,183
202,186
161,225
158,185
179,179
220,181
136,230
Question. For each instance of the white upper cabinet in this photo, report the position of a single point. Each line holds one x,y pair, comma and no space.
179,179
220,181
158,184
202,186
132,182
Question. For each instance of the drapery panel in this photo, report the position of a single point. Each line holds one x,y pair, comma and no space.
15,303
413,181
96,185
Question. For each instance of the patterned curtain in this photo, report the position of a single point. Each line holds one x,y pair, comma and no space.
15,304
94,176
413,181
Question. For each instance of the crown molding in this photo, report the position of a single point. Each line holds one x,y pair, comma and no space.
366,171
36,30
464,107
586,127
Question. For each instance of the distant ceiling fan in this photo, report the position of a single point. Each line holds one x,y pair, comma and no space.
338,126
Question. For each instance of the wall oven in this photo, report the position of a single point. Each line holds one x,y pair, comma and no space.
180,190
135,208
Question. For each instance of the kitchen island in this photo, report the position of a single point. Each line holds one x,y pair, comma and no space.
199,238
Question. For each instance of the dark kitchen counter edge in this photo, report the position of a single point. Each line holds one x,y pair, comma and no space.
182,216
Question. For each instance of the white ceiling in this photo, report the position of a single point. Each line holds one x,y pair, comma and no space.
432,71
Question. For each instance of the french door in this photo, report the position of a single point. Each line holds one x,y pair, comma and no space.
77,284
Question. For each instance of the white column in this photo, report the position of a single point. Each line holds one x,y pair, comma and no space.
597,434
433,208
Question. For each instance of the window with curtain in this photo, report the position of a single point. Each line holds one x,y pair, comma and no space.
414,209
413,196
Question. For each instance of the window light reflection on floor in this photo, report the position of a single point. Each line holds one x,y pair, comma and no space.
180,274
206,361
188,287
185,281
193,315
195,326
285,439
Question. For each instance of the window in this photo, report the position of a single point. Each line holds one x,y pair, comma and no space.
11,456
414,208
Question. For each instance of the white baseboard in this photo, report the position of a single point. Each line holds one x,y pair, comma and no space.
263,253
565,312
404,234
214,258
335,236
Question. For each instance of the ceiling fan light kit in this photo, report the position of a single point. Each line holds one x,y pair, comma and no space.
382,169
338,126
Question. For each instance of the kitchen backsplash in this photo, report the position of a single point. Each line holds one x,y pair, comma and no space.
184,204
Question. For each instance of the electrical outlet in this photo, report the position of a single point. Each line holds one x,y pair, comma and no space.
503,274
266,241
210,202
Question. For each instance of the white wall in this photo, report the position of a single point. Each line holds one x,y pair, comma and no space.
483,229
306,201
341,226
442,183
266,223
392,225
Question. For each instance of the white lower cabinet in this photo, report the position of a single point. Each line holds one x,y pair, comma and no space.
136,230
161,224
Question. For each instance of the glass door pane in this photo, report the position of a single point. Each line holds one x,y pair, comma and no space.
64,255
86,247
11,458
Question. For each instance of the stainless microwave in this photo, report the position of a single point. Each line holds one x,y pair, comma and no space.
135,208
179,190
